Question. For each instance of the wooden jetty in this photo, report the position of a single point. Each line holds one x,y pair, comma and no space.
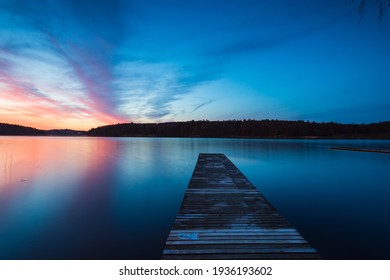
223,216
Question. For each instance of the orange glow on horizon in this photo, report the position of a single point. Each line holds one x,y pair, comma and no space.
45,124
51,120
44,113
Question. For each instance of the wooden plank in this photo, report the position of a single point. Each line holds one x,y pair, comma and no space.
240,251
223,216
270,256
227,232
237,241
246,232
232,236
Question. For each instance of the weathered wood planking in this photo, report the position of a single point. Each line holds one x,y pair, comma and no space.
223,216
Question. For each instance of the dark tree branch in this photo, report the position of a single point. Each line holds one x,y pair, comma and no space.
361,6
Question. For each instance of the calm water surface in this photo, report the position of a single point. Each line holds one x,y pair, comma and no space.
116,198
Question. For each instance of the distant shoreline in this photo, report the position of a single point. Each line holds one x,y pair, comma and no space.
240,129
360,150
258,129
222,137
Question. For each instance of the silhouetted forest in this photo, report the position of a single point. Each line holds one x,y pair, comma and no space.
18,130
246,128
13,129
220,129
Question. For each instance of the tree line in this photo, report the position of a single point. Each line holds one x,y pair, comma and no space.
220,129
246,128
18,130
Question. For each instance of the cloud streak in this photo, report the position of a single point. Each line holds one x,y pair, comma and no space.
202,105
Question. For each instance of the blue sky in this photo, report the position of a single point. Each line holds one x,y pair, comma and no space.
82,64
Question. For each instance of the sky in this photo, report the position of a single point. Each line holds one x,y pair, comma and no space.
80,64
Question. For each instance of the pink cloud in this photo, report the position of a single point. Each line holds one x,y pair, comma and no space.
36,109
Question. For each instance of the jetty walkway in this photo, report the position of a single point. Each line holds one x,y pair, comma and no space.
223,216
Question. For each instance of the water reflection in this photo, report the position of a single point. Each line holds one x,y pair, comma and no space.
116,198
88,198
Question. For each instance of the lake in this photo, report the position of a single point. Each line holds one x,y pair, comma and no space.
117,198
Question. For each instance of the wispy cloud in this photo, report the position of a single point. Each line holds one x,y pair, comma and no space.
146,90
202,105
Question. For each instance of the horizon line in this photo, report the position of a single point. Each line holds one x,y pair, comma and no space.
203,120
